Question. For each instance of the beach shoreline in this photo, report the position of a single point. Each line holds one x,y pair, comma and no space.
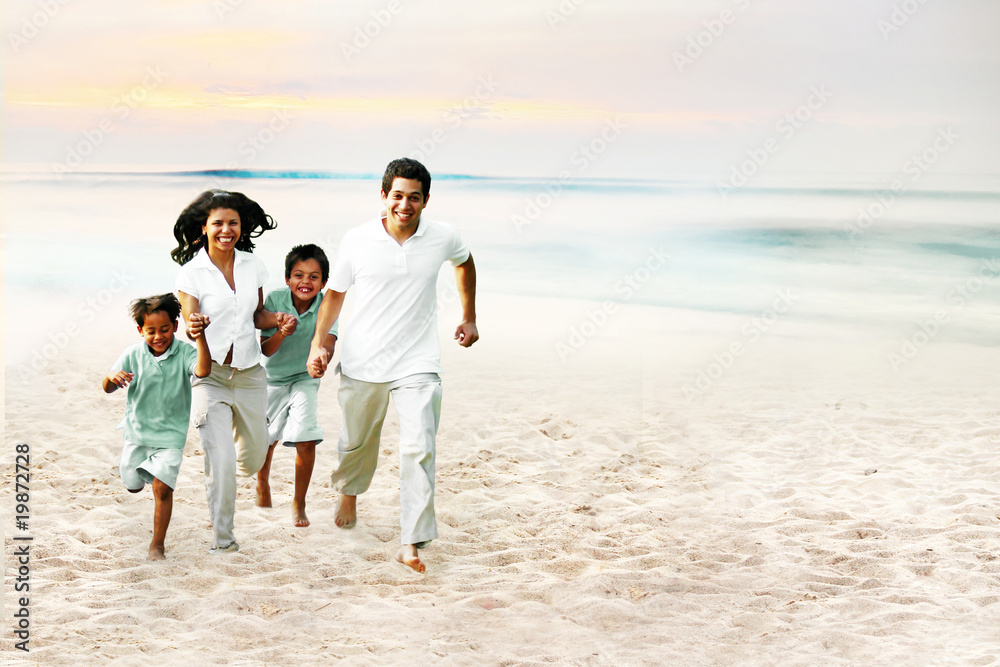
805,510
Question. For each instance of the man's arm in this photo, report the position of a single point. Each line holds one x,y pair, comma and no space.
465,277
329,311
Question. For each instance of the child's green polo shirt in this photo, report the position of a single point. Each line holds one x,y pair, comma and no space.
158,405
288,364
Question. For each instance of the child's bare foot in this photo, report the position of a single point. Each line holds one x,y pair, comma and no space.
407,555
156,552
347,512
264,479
299,514
263,494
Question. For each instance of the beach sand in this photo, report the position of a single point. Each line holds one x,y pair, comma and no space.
810,506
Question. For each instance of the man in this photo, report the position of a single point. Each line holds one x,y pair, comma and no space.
390,346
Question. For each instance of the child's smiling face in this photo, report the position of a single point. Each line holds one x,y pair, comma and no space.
305,281
222,229
158,331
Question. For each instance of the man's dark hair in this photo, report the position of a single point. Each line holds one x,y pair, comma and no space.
406,167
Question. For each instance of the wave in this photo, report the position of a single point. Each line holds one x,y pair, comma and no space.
532,183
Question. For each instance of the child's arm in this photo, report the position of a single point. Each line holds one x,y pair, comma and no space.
265,319
203,367
329,343
271,344
116,379
189,306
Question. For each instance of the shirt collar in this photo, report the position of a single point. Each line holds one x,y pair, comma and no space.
203,261
378,231
286,302
174,344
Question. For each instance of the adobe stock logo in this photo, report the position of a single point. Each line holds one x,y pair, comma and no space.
629,285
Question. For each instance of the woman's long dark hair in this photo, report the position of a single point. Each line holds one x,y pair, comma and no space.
187,230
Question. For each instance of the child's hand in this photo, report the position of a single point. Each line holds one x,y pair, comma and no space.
121,378
318,361
197,324
286,323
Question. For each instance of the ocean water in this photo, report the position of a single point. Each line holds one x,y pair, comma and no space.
842,257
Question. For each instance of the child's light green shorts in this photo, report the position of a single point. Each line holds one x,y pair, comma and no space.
140,465
292,412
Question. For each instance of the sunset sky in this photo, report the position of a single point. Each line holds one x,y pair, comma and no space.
846,90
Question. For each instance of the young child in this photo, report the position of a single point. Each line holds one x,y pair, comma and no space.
157,373
291,392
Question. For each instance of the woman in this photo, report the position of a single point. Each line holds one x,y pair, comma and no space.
223,280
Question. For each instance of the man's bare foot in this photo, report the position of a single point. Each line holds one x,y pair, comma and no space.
156,552
299,515
263,494
347,512
407,555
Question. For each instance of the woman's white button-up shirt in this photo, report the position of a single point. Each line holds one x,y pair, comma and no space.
230,311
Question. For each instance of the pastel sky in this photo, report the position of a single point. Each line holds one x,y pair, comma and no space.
832,91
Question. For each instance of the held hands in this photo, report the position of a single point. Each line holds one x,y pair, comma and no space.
121,378
286,323
319,358
466,334
196,325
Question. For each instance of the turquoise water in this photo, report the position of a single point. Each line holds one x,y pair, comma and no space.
652,243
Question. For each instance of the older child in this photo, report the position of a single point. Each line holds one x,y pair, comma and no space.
222,278
291,393
158,374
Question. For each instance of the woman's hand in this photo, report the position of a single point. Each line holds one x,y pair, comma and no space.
286,323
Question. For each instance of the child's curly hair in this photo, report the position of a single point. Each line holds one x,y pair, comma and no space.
166,303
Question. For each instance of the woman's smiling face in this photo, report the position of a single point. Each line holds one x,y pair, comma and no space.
222,229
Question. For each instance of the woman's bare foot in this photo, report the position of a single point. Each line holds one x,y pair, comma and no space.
156,552
407,555
347,512
299,514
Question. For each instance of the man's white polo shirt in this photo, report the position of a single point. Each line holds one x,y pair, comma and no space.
231,312
393,330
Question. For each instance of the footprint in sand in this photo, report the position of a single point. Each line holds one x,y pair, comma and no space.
558,429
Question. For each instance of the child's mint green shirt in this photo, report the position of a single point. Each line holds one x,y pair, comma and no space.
288,364
158,404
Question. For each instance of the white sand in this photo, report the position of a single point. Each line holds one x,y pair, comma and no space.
588,513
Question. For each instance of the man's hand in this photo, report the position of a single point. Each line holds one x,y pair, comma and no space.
466,334
317,363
